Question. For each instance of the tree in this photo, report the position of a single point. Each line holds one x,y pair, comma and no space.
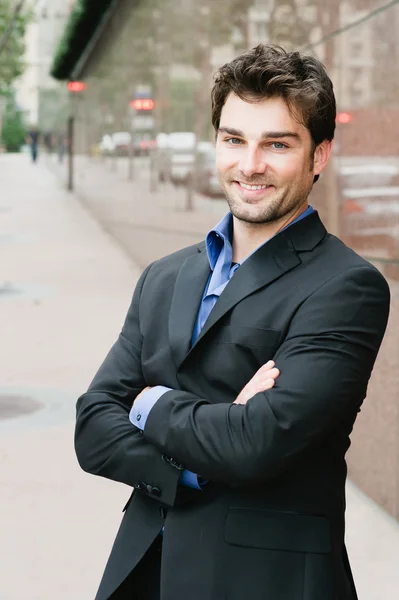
12,32
13,130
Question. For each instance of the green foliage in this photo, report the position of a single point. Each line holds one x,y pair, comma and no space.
83,22
13,132
11,63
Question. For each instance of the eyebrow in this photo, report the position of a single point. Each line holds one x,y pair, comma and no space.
264,134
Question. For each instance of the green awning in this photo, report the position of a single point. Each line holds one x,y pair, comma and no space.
86,17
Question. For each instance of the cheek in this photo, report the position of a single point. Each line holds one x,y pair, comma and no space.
224,161
288,168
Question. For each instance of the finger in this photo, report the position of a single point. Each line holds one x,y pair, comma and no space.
267,384
241,399
266,367
274,372
259,377
250,391
270,363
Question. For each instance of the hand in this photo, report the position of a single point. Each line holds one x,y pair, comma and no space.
263,380
146,389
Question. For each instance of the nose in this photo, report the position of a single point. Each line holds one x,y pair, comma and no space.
252,162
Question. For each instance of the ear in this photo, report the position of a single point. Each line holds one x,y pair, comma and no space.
321,156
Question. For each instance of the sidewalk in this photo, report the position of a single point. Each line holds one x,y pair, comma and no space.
147,224
57,523
65,287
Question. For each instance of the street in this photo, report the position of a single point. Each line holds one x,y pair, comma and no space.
68,272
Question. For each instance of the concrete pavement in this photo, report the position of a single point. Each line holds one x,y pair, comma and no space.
65,286
72,287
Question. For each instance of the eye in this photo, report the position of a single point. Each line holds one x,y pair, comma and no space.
279,145
233,141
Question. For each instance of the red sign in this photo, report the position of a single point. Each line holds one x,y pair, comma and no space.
76,86
344,117
142,103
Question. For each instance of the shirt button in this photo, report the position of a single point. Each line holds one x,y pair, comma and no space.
138,417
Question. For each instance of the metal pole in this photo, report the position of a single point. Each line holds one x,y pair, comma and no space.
131,144
190,190
70,153
153,169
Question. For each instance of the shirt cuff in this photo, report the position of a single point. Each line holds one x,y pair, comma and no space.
189,479
141,407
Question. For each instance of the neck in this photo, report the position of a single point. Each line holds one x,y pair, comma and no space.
247,237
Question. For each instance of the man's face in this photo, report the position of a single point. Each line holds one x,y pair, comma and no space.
265,159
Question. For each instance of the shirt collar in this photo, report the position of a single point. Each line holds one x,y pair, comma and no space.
221,235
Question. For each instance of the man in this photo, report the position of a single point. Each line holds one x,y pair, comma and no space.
240,369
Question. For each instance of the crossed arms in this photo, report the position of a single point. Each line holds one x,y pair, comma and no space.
325,363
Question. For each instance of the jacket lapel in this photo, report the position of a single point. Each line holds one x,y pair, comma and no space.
268,263
186,300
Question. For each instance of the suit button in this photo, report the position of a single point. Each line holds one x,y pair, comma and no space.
151,489
172,462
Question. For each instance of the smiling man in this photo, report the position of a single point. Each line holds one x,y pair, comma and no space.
266,174
228,399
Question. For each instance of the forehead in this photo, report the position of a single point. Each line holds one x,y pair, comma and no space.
252,118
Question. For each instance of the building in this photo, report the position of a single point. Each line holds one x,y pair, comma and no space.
129,48
36,89
27,85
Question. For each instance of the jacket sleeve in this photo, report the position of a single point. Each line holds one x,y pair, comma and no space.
325,363
106,442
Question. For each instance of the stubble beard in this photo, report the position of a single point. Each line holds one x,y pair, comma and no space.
283,203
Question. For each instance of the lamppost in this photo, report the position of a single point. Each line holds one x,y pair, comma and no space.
74,87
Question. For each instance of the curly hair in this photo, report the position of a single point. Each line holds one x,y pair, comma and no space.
269,71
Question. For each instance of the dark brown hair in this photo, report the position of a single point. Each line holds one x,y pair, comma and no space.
269,71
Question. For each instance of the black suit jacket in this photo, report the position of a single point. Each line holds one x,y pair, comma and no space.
270,522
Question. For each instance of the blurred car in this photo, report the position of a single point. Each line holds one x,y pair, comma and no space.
181,166
176,157
206,179
117,144
144,145
106,145
121,142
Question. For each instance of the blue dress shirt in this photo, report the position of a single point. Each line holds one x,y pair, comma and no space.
220,256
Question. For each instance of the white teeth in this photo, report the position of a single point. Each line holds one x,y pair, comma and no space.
253,187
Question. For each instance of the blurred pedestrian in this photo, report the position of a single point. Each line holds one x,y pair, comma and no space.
33,141
228,399
48,141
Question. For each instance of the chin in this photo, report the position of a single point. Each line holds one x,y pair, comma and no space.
254,214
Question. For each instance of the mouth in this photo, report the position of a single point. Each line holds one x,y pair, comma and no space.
253,190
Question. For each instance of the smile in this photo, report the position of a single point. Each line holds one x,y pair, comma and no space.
252,187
